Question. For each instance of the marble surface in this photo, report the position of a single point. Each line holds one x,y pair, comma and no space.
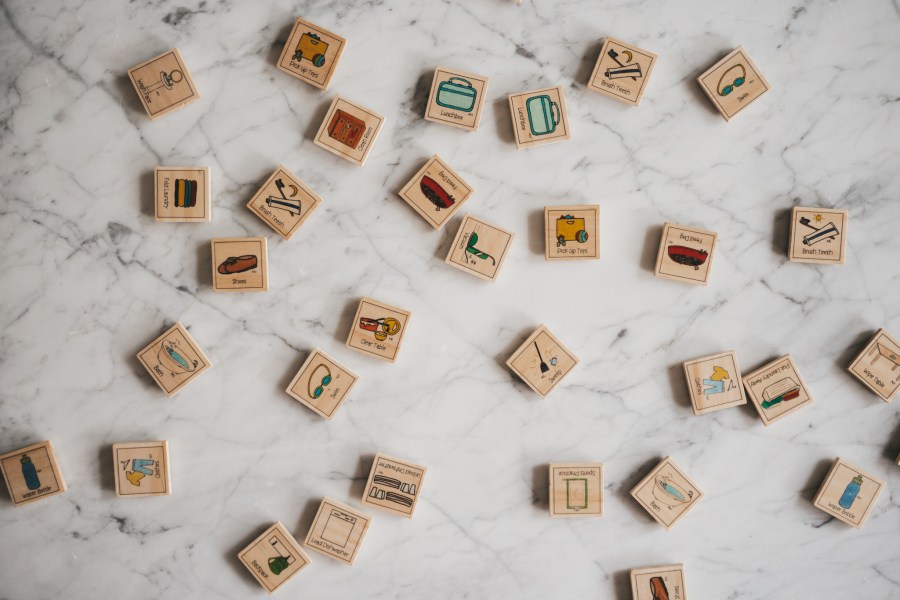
92,278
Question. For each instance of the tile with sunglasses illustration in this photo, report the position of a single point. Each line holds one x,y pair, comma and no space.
394,485
322,384
733,83
542,361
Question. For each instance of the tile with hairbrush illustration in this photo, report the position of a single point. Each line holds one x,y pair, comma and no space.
322,384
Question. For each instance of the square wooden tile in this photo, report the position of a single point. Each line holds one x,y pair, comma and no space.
667,493
848,493
338,531
394,485
284,202
32,473
572,232
665,582
173,359
142,468
622,71
311,54
182,194
539,117
714,382
685,254
479,248
322,384
733,83
456,99
240,265
274,557
777,390
378,329
349,131
878,365
576,490
163,84
818,235
542,362
436,192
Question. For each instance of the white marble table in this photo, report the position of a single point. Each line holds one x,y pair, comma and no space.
91,278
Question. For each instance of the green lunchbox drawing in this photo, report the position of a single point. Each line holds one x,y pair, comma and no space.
458,96
543,114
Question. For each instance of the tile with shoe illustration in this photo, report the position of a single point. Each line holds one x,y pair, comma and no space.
163,84
436,192
667,493
479,248
456,98
378,329
284,202
182,194
539,117
142,468
665,582
572,232
542,362
394,485
622,71
311,54
576,490
349,131
240,265
32,473
714,382
338,531
685,254
733,83
878,365
322,384
174,359
848,493
818,235
777,390
274,557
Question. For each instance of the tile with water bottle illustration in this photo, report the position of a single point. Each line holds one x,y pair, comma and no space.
848,493
32,473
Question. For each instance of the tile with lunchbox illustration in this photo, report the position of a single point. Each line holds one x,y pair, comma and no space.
456,99
539,117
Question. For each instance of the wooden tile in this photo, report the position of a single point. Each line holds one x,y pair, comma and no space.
685,254
848,493
733,83
274,557
539,117
436,192
479,248
284,202
142,468
338,531
622,71
394,485
667,493
32,473
311,54
572,232
163,84
173,359
378,329
818,235
183,194
349,131
240,265
542,362
665,582
714,382
456,99
777,390
576,490
878,365
322,384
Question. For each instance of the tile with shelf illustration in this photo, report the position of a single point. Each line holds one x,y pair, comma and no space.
394,485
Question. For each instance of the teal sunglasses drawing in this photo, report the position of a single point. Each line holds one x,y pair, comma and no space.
735,83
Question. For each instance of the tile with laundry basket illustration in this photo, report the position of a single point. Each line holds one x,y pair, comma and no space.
142,468
378,329
436,192
163,84
174,359
542,361
311,53
777,390
572,232
714,382
539,117
240,265
479,248
456,98
338,531
667,493
878,365
394,485
322,384
274,557
284,202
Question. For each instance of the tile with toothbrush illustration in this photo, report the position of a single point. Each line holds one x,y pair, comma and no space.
284,202
142,468
542,361
479,248
848,493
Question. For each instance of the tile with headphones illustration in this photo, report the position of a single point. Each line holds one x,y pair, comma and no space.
818,235
322,384
378,329
733,83
542,361
240,265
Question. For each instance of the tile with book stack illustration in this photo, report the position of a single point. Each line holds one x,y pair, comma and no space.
142,469
284,202
338,531
667,493
542,361
174,359
777,390
394,485
32,473
848,493
576,490
274,557
182,194
311,54
163,84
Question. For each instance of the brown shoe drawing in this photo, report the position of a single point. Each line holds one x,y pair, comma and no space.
237,264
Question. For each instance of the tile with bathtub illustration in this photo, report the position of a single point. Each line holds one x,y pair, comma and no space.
311,54
818,235
436,192
539,117
284,202
32,473
142,468
622,71
542,362
878,365
274,557
456,98
576,490
182,194
479,248
240,265
714,382
163,84
378,329
777,390
338,531
349,131
665,582
733,83
572,232
848,493
667,493
173,359
394,485
322,384
685,254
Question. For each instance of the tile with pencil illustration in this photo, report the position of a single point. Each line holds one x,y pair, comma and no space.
576,490
878,365
322,384
539,117
394,485
274,557
338,531
182,194
240,265
733,83
667,493
572,232
32,473
378,329
349,131
174,359
665,582
714,382
685,254
542,362
436,192
479,248
456,99
163,84
311,54
284,202
848,493
777,390
622,71
818,235
142,469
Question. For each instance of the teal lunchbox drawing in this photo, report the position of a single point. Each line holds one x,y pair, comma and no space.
456,93
543,114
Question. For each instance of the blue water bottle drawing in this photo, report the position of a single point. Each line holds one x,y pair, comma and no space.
30,473
850,492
